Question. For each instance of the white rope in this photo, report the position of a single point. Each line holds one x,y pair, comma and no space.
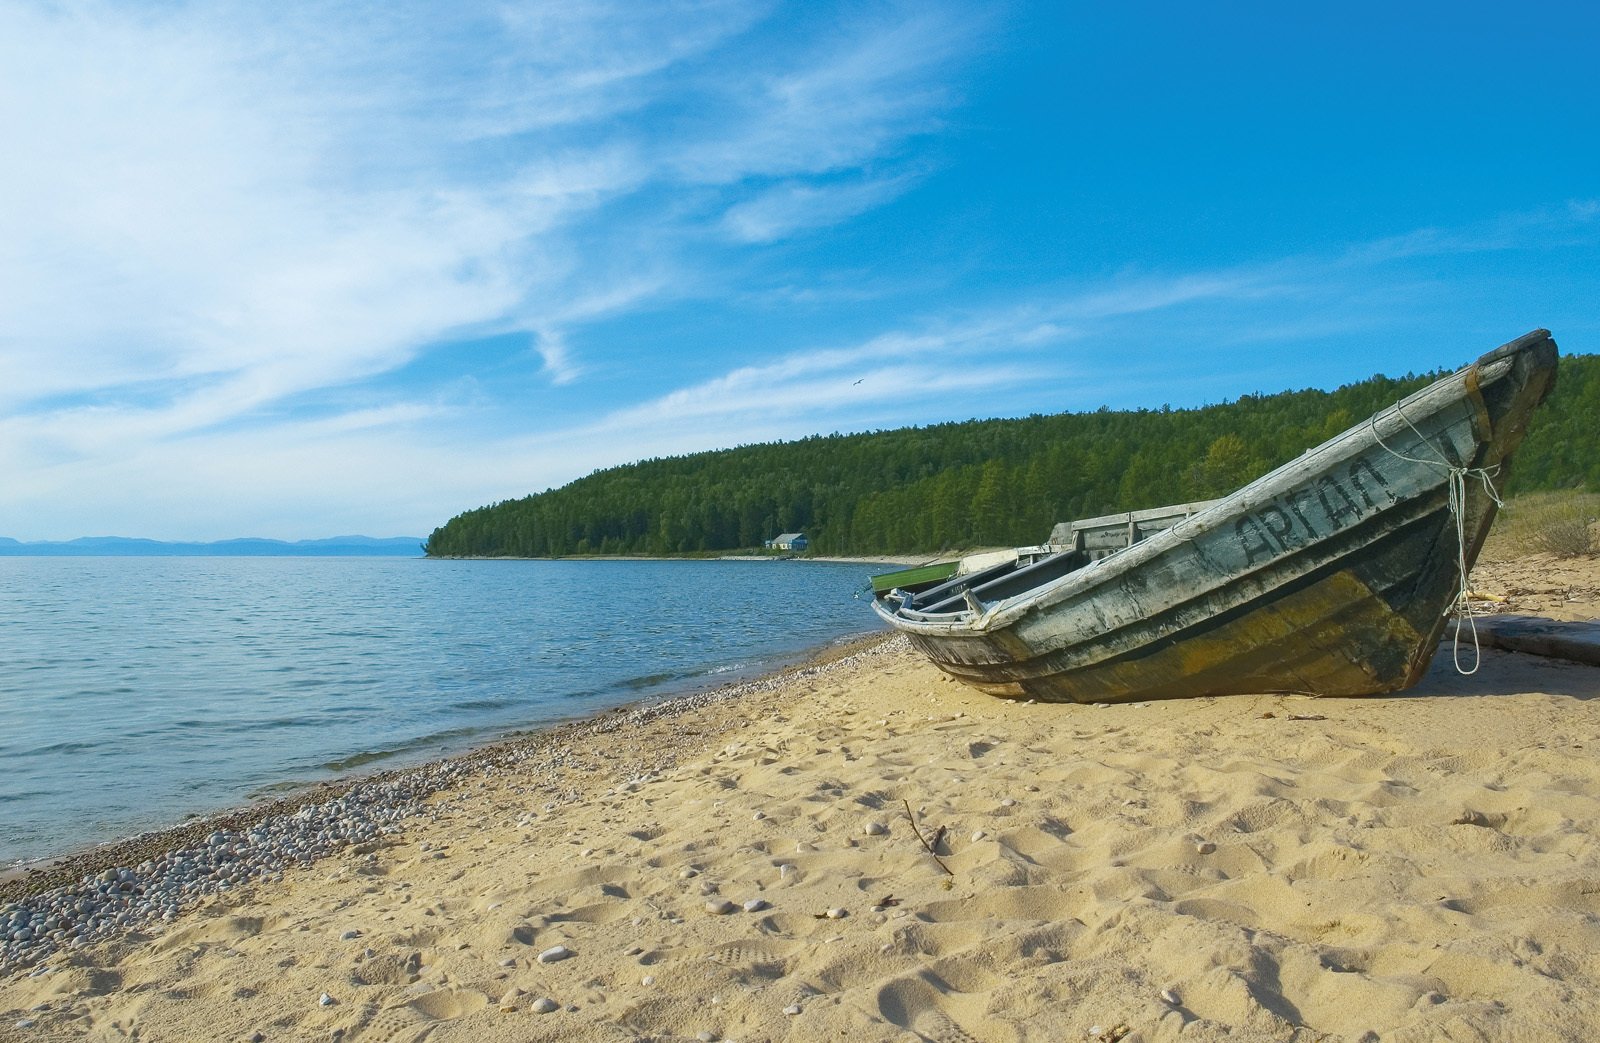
1456,496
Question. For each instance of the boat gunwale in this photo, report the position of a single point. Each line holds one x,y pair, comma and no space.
1422,406
1285,575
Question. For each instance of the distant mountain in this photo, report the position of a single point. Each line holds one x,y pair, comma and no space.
124,546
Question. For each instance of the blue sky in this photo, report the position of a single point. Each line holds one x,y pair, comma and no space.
303,269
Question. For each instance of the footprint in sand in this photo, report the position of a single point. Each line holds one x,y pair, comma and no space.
761,959
393,1025
915,1004
417,1019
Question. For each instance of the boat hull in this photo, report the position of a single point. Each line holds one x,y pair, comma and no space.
1333,575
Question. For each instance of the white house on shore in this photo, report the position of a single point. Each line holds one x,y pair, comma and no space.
788,541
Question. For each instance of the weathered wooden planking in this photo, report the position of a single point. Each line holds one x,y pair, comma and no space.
1330,575
1097,537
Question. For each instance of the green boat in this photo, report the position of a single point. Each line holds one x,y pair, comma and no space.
926,577
914,579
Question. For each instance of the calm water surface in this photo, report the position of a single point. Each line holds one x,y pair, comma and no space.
134,691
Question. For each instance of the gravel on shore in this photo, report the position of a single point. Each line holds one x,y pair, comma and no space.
139,883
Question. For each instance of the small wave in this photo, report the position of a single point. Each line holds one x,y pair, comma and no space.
431,743
652,680
358,760
485,704
57,749
275,789
271,724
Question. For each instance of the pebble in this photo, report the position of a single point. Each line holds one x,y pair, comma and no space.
688,874
875,829
720,907
1008,803
755,905
648,979
784,871
838,914
758,816
1169,997
706,1037
978,835
167,873
130,897
349,936
1205,847
326,1000
544,1005
554,954
792,1009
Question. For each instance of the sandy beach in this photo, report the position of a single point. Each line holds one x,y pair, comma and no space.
1422,866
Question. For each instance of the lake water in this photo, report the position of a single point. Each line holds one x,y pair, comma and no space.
134,691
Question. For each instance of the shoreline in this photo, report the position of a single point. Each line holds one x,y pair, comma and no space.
828,559
406,787
285,795
863,849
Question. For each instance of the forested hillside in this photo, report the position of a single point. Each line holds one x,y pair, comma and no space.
977,483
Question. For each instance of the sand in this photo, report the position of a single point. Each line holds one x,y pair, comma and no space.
1422,866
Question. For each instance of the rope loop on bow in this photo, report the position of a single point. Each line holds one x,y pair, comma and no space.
1456,478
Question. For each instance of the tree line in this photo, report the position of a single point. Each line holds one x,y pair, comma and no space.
922,490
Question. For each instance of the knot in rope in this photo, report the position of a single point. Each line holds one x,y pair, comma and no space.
1456,495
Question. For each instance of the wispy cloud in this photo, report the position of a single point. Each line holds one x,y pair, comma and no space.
251,255
289,197
852,94
1006,346
793,207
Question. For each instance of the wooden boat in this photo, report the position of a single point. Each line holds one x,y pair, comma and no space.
914,579
1332,575
921,577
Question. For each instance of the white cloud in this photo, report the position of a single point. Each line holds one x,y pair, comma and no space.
306,194
857,94
231,233
795,206
212,214
1009,346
